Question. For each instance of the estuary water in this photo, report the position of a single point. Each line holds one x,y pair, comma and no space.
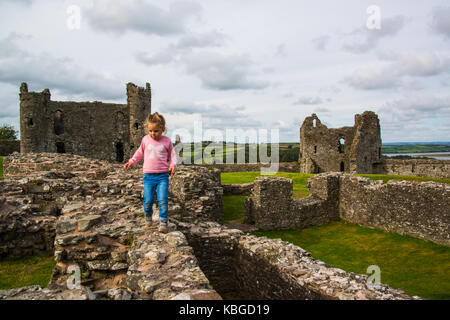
436,155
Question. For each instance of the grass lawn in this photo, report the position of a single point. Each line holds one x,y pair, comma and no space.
30,270
418,267
233,209
1,166
299,180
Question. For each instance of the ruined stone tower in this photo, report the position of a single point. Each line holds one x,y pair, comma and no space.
354,149
97,130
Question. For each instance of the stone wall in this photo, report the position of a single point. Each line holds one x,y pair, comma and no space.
415,167
242,266
418,209
253,167
237,189
9,146
272,207
199,192
96,130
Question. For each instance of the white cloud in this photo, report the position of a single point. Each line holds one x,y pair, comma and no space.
23,2
373,77
308,100
411,116
398,69
223,72
417,63
364,39
321,43
42,70
201,40
119,16
186,43
440,22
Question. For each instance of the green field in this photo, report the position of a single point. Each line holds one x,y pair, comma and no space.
1,166
415,148
30,270
416,266
299,180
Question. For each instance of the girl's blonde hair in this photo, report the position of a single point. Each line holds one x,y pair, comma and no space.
158,119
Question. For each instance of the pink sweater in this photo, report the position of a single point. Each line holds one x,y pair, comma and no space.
156,153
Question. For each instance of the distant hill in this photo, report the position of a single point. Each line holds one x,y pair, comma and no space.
415,148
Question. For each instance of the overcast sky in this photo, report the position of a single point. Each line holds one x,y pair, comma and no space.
250,64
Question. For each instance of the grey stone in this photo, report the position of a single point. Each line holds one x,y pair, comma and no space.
87,222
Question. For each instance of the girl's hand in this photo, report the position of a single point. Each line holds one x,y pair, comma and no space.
126,165
172,170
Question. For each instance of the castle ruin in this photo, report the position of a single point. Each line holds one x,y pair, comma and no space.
105,131
354,149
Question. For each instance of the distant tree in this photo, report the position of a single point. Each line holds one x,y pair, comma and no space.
7,132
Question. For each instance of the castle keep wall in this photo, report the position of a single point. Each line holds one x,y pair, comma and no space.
347,149
96,130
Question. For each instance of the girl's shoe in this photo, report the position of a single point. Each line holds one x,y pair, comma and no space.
148,220
163,227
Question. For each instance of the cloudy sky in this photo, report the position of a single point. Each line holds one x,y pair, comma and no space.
253,64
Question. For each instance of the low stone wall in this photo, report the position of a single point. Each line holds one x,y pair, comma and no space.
415,167
272,207
241,266
237,189
252,167
199,192
9,146
418,209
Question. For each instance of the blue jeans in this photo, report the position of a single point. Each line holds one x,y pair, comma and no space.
158,182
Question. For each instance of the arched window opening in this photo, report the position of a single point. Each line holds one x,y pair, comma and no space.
315,149
341,145
314,123
342,166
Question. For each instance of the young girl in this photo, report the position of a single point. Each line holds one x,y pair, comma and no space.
156,149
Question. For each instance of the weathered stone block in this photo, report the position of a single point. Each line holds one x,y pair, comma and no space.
87,222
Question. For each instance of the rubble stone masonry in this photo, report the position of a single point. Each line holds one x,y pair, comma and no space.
89,214
418,209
